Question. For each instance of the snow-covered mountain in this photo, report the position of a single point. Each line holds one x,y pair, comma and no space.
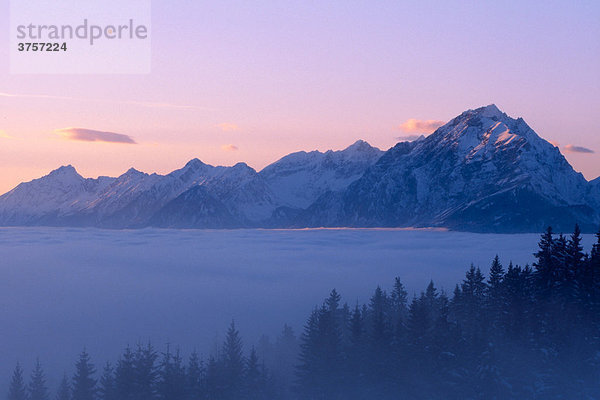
299,179
52,198
482,171
234,196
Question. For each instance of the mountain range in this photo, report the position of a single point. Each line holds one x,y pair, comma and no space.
483,171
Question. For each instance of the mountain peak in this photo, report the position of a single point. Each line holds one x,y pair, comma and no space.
359,145
133,172
194,163
65,171
490,110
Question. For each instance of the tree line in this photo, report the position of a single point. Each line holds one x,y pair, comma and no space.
523,332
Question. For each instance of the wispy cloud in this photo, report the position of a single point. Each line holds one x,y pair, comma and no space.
4,135
90,135
148,104
229,147
228,127
409,138
420,126
570,148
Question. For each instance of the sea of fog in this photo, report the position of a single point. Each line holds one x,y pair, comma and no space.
64,289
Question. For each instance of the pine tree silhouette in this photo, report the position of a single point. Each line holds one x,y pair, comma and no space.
107,389
84,384
17,389
64,389
233,363
145,372
126,376
195,378
37,386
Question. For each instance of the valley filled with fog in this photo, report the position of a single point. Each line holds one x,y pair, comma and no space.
63,289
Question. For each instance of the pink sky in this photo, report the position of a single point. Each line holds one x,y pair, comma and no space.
233,81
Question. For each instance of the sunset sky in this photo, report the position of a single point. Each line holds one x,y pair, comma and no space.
252,81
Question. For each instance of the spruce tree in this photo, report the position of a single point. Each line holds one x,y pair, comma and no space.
379,329
495,294
64,389
357,352
145,372
496,277
126,376
107,389
308,370
195,378
544,266
575,252
214,379
399,303
172,381
17,390
253,380
84,384
233,363
37,386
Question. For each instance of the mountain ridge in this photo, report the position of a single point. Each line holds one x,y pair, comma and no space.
482,171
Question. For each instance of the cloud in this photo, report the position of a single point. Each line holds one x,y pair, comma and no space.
228,127
409,138
420,126
229,147
570,148
4,135
90,135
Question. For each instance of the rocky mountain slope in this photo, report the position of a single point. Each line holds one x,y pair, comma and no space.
482,171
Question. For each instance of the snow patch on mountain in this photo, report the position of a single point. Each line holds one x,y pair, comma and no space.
300,178
482,171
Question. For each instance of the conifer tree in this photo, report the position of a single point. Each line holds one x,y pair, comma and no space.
125,376
233,363
37,386
357,351
253,380
107,389
214,379
495,294
145,372
544,265
172,377
399,303
17,390
575,251
84,384
308,369
379,329
64,389
195,378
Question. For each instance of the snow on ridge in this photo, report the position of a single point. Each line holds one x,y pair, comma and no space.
478,157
